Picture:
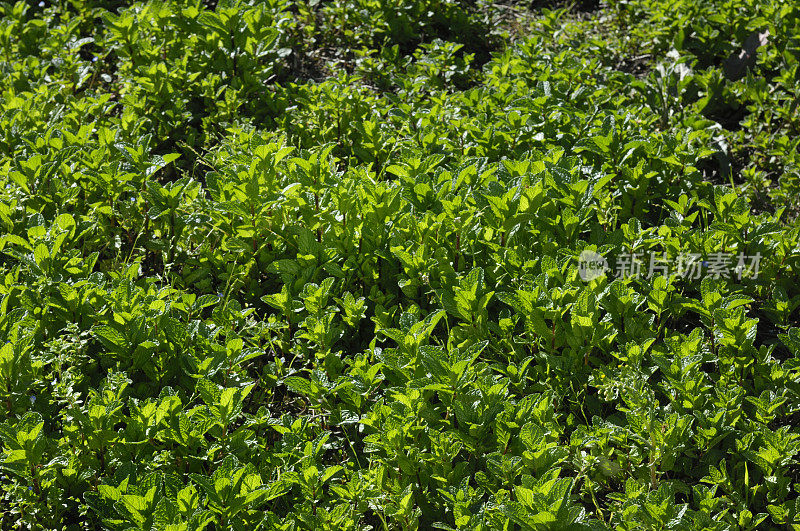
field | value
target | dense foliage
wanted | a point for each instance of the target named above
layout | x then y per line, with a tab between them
292	264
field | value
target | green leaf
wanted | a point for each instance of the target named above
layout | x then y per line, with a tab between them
301	386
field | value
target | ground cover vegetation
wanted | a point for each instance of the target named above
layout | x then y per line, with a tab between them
292	264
